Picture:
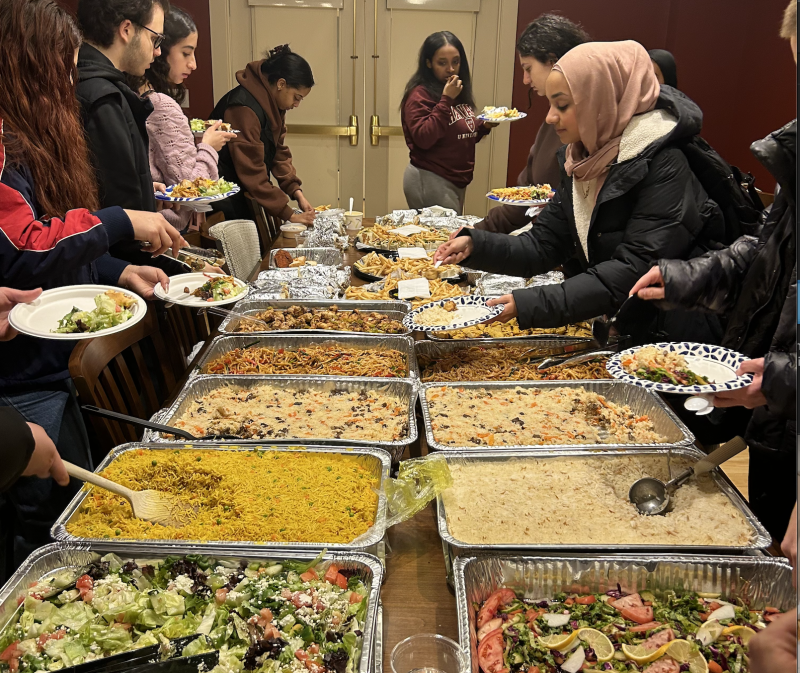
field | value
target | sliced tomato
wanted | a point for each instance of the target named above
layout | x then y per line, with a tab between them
309	575
341	581
714	667
585	600
266	614
713	605
488	627
641	628
313	649
640	615
769	609
632	601
490	652
493	603
221	596
301	600
771	617
355	597
331	573
10	652
534	669
84	582
301	655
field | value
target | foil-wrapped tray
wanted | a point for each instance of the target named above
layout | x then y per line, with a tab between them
396	310
496	285
224	344
52	558
376	461
549	278
322	256
454	547
305	282
543	347
761	581
405	389
641	401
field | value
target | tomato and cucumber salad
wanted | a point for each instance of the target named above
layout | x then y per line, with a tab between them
615	631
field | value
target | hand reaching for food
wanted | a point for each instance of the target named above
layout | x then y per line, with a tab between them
143	279
454	251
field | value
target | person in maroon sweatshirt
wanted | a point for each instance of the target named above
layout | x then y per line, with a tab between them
439	124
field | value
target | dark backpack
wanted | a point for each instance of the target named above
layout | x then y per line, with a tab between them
733	191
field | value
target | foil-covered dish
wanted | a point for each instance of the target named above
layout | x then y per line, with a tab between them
281	258
403	216
549	278
305	282
438	211
327	232
496	285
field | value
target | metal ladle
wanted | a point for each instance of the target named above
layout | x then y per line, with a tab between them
652	496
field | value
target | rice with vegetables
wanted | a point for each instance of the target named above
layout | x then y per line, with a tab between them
585	501
262	496
526	416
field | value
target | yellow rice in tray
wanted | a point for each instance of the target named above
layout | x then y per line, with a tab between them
261	496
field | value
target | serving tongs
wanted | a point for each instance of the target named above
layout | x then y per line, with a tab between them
150	425
574	359
652	496
534	355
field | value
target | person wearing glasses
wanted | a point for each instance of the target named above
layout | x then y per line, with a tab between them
121	37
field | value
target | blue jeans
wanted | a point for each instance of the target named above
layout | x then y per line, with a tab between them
36	503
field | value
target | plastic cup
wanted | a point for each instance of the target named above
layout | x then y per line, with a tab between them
428	653
353	219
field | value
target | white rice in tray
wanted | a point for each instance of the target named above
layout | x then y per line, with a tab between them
584	501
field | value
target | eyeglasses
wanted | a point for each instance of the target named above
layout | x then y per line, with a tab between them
160	37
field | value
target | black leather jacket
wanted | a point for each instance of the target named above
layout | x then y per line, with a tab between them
754	282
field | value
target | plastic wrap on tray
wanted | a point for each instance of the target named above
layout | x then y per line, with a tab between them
496	285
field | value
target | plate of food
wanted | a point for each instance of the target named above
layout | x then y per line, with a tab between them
200	126
684	368
199	190
532	195
500	114
78	312
452	313
202	289
374	267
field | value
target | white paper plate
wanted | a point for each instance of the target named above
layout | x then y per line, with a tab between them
194	199
522	115
714	363
177	285
41	316
468	301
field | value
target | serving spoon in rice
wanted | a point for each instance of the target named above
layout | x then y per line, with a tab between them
150	505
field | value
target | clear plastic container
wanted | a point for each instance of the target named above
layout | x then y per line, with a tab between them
428	653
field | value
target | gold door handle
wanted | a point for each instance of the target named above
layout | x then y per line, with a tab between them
350	131
376	130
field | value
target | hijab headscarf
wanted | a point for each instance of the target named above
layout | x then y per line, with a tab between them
666	63
611	82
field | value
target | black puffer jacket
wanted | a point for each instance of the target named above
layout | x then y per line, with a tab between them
650	206
114	119
754	282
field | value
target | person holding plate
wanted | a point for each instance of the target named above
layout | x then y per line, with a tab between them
627	195
53	235
173	153
257	108
754	283
440	126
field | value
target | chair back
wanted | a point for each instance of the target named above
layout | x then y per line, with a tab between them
183	328
129	372
240	245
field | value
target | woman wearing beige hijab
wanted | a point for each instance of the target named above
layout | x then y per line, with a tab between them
627	198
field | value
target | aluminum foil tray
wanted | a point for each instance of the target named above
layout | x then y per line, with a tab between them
397	310
439	349
453	547
760	580
224	344
322	256
376	461
405	389
641	401
60	556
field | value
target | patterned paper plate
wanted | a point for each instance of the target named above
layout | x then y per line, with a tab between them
714	363
194	199
474	309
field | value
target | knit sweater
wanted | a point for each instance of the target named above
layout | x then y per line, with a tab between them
173	153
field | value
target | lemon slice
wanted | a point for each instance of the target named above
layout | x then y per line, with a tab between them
641	655
558	641
680	650
743	632
709	632
697	663
603	649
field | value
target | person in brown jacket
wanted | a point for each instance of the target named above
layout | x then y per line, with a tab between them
542	43
257	109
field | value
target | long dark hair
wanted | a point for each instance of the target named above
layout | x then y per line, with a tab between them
178	25
424	75
283	63
42	127
547	38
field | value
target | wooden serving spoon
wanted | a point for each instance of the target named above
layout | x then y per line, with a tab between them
149	505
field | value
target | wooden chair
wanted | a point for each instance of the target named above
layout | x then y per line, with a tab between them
183	327
260	217
129	372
